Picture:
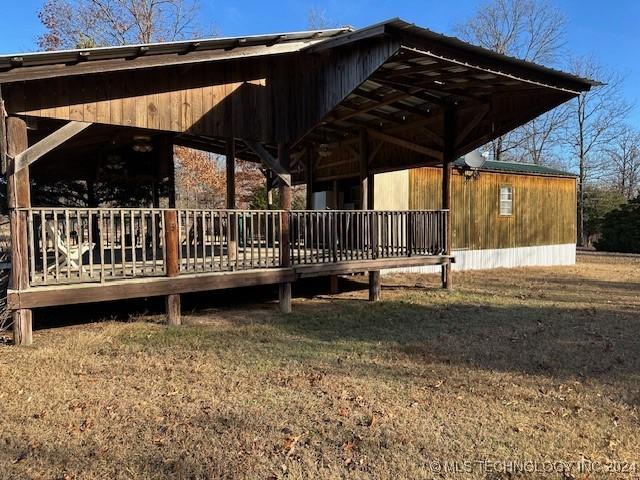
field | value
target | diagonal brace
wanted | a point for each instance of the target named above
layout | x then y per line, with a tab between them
269	161
47	144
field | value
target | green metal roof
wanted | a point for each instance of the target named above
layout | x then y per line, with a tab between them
517	167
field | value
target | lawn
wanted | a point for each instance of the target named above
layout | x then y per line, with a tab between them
538	364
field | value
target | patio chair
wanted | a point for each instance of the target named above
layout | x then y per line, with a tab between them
68	254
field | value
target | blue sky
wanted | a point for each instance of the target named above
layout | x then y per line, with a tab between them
609	31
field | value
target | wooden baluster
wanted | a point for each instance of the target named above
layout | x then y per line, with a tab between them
56	253
78	230
31	250
143	240
67	231
43	238
90	235
112	242
101	239
132	232
123	246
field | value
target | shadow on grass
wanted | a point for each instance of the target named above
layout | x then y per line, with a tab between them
551	339
545	340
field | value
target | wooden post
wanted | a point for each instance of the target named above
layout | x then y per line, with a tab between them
232	247
375	286
18	196
334	287
269	185
309	171
172	266
285	240
366	203
447	164
171	173
364	169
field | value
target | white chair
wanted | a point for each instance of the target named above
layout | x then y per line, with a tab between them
68	254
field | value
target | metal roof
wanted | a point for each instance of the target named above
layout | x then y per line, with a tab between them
34	59
400	25
254	45
517	167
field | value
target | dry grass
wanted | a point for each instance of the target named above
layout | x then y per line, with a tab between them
536	364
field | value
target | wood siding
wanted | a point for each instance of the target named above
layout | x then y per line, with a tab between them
276	98
544	208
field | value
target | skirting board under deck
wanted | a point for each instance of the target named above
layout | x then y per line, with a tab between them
543	255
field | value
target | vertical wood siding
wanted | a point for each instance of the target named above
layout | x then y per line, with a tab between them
277	98
544	208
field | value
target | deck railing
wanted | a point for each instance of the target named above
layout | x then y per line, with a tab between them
100	244
340	235
219	240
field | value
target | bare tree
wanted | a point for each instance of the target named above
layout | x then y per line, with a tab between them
594	125
95	23
538	141
531	30
624	155
317	19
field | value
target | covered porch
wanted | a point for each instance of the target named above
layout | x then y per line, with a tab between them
328	109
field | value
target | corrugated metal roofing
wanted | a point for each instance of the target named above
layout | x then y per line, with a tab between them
191	50
179	47
517	167
426	34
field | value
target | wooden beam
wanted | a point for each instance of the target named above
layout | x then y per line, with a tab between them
3	136
44	146
356	266
412	68
430	152
145	287
391	98
271	163
462	135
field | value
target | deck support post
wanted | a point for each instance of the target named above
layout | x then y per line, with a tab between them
367	203
172	263
231	199
447	164
18	196
375	286
285	239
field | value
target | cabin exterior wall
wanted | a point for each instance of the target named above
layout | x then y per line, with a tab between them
540	231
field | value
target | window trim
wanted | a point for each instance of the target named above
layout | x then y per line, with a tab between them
510	187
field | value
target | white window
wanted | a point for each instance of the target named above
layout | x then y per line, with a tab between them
506	200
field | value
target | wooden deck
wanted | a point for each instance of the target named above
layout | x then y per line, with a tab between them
92	255
53	295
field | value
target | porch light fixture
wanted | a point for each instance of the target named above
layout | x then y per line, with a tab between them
324	150
142	144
